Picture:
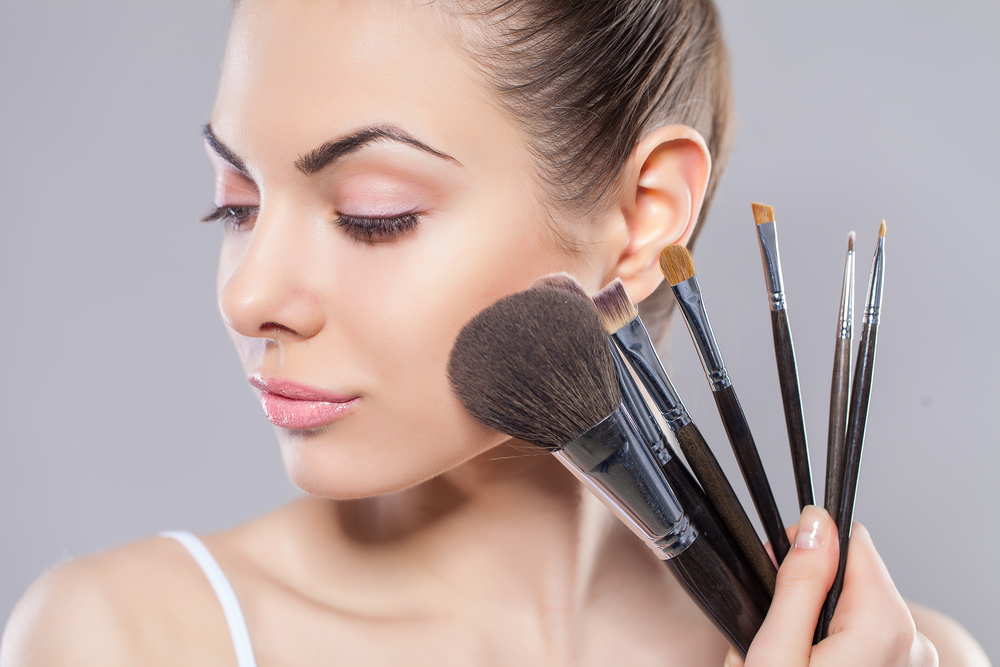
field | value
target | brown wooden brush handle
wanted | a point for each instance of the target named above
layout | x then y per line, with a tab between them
854	440
791	400
720	493
711	527
712	585
747	456
839	397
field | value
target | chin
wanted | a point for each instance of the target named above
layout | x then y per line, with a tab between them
328	467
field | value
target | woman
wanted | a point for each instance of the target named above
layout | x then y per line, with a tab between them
384	172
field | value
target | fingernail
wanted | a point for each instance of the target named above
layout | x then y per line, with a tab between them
812	528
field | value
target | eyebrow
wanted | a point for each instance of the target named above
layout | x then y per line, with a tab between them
319	158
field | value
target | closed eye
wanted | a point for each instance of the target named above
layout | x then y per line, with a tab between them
372	230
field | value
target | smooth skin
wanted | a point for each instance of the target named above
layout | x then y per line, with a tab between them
425	538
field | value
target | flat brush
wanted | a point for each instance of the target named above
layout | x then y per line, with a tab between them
621	320
840	386
857	419
678	268
784	353
537	366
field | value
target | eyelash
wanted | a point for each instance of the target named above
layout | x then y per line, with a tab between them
365	230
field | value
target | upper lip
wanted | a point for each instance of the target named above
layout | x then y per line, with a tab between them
296	390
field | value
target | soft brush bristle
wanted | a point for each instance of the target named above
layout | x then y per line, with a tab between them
850	241
614	306
676	264
536	365
762	213
881	230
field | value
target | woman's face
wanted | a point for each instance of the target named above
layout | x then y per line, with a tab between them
375	197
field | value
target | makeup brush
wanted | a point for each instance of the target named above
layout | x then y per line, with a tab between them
784	353
621	320
537	366
840	386
678	268
704	514
857	419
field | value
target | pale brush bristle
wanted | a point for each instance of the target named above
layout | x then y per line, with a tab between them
881	230
676	264
850	241
762	213
615	306
562	281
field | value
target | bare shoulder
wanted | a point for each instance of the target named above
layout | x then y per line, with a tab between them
142	603
955	646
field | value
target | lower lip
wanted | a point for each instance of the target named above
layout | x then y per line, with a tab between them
299	414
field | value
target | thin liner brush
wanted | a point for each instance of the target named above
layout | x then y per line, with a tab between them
537	366
678	268
856	421
784	353
840	386
621	320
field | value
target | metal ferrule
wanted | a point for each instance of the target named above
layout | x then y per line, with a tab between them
846	325
638	409
767	236
634	343
688	295
611	460
874	304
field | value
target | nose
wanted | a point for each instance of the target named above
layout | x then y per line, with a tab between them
268	293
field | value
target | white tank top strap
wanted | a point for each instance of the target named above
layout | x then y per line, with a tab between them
224	591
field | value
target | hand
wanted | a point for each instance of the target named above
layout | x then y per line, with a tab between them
871	627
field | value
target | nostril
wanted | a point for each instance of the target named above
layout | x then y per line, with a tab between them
275	327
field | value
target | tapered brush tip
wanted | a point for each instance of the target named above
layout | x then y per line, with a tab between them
536	365
615	306
762	213
676	264
881	230
561	281
850	241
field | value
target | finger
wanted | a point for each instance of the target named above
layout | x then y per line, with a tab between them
733	659
785	638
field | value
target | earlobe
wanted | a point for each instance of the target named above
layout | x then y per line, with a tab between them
661	202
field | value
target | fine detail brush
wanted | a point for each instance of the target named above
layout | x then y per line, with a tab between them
857	419
621	320
537	366
840	386
784	353
678	268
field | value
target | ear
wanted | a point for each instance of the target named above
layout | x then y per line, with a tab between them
659	205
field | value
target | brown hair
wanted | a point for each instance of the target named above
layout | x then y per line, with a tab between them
587	79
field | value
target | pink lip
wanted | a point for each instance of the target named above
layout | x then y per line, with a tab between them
297	406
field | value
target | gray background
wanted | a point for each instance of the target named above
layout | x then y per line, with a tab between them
123	410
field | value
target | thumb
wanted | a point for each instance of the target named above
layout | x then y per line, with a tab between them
805	576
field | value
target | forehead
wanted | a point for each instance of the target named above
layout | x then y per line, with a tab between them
298	72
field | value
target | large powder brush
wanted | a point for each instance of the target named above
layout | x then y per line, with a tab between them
537	366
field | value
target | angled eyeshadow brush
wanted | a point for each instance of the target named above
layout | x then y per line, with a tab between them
678	268
537	366
784	353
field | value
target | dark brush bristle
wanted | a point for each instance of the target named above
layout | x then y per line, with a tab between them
561	280
615	306
536	365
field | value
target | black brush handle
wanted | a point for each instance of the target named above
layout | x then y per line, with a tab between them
723	498
712	585
712	528
791	400
839	396
853	445
748	457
